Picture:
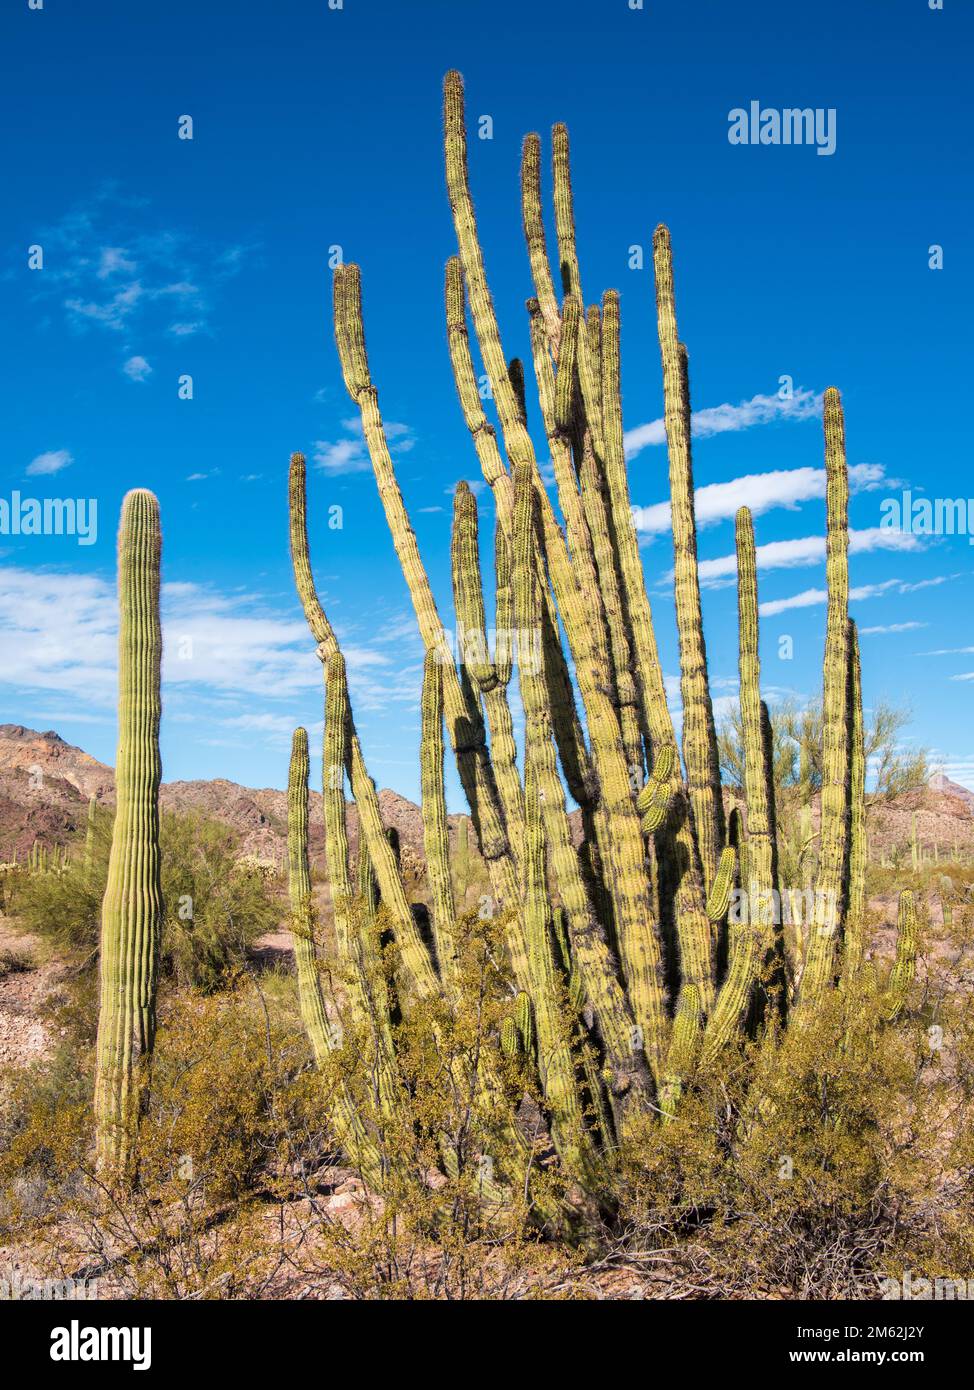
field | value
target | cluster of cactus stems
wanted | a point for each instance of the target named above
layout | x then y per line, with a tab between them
629	967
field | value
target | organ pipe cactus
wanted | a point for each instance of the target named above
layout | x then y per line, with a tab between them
622	1000
131	920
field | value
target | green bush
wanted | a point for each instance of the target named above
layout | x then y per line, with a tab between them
215	905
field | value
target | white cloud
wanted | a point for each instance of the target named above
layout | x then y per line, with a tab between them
112	260
350	455
722	419
808	598
111	313
807	550
890	627
137	368
51	462
222	653
783	487
185	330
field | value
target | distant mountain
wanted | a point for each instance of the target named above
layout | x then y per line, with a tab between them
940	782
45	785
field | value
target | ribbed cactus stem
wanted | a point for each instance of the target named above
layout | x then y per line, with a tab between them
720	890
321	1034
904	967
914	844
324	1036
751	935
858	849
699	734
830	888
757	773
89	859
556	1065
572	283
681	1054
463	718
534	236
655	796
490	675
435	835
679	846
131	921
590	950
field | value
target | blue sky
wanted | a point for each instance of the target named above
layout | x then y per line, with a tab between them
314	128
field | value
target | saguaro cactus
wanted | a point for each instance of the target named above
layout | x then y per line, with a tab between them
132	906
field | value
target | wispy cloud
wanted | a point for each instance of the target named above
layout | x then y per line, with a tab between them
809	598
784	487
807	550
891	627
223	654
723	419
51	462
350	455
109	273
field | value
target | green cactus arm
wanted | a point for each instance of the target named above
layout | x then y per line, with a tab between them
699	734
720	889
89	859
534	236
131	920
830	887
678	850
757	773
468	595
515	371
904	967
464	721
858	849
556	1066
324	1036
681	1054
571	739
568	259
491	676
590	950
597	520
435	837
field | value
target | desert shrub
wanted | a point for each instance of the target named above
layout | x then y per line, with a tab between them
233	1109
814	1169
216	905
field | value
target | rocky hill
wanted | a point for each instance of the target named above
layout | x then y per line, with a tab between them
45	786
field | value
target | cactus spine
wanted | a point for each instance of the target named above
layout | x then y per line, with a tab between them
132	907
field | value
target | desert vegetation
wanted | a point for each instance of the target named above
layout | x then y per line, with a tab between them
659	1040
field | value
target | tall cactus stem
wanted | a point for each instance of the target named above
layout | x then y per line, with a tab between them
131	921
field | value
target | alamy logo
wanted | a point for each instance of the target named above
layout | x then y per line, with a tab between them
928	516
926	1290
50	516
792	125
77	1343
